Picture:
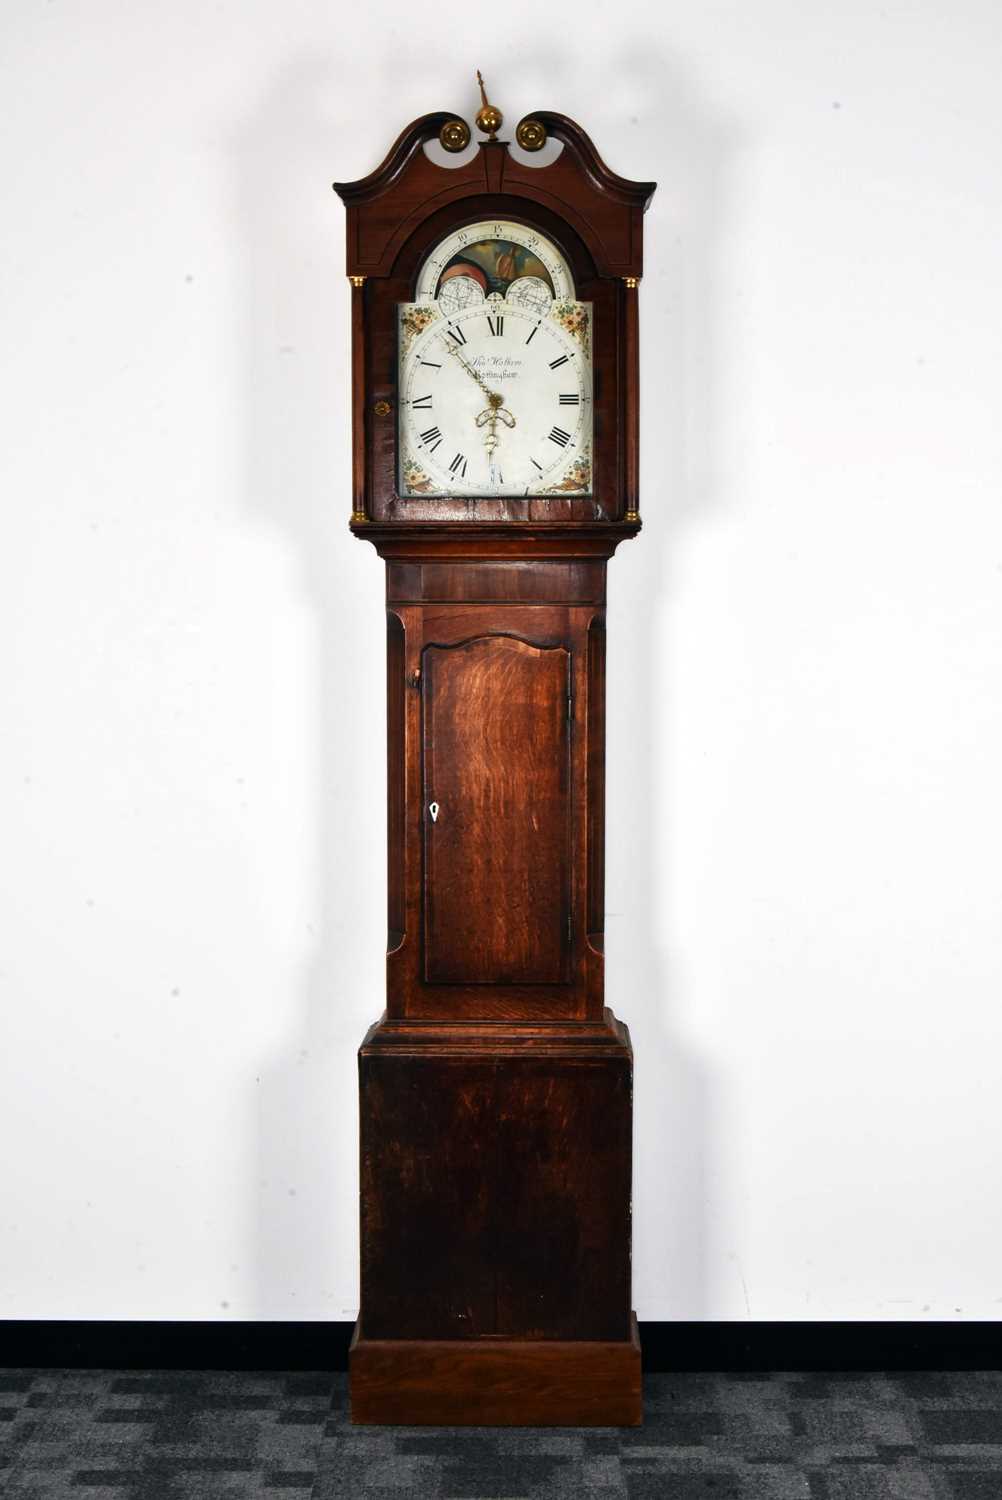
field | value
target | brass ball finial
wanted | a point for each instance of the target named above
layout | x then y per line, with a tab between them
454	135
489	118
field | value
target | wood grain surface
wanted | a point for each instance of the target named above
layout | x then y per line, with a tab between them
502	708
495	718
507	1382
495	1188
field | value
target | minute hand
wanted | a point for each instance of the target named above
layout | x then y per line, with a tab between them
492	396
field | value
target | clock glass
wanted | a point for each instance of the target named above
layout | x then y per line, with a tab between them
495	372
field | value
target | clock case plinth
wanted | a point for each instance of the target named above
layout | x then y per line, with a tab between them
496	1090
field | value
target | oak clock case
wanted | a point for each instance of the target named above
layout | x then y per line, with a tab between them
494	422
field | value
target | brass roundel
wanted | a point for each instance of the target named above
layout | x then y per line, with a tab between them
454	135
382	408
531	135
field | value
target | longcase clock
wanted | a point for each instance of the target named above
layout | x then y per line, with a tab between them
495	441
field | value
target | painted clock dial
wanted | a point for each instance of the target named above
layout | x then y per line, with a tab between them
495	399
495	378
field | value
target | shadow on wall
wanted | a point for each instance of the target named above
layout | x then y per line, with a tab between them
297	436
303	1101
684	147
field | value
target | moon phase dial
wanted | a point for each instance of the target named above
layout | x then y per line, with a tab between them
498	254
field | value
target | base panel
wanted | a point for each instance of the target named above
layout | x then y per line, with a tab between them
496	1382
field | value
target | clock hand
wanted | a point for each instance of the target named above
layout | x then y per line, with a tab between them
490	418
492	396
494	413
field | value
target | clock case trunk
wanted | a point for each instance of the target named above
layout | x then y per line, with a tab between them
496	1089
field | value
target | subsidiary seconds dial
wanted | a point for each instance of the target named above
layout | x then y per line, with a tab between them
495	399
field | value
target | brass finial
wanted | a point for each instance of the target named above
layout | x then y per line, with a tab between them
489	118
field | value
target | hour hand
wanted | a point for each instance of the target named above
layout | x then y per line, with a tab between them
495	413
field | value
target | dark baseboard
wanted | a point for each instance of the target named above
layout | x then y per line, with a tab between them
742	1347
738	1347
175	1346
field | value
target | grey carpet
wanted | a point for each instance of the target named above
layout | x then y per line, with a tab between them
170	1436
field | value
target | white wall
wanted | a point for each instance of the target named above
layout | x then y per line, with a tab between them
805	850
